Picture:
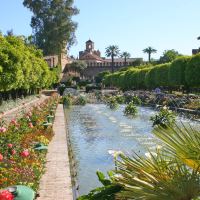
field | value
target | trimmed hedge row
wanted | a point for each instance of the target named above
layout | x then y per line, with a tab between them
183	72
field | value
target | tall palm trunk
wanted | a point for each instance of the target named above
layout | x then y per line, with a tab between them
125	61
112	63
149	57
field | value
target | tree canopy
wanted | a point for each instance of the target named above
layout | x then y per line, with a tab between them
149	51
52	24
112	51
22	66
169	56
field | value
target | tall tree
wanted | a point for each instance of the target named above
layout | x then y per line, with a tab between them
169	56
52	24
149	51
112	51
78	66
125	55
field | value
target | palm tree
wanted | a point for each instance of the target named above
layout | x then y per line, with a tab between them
125	55
149	51
112	51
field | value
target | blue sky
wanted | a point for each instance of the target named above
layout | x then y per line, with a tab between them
130	24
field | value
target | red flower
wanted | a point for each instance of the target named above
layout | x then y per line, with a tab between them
30	125
10	145
6	195
1	157
25	153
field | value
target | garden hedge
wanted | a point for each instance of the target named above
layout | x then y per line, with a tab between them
182	72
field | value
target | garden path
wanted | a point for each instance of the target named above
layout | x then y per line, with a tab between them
56	182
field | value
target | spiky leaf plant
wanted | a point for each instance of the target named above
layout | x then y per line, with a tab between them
183	142
158	177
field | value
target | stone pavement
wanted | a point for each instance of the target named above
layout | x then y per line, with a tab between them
56	182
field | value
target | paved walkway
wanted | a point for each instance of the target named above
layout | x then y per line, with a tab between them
56	182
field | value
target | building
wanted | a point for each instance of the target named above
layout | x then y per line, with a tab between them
53	60
195	51
93	58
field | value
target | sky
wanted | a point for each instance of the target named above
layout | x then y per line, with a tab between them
131	24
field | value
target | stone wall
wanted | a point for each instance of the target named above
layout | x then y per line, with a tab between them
91	72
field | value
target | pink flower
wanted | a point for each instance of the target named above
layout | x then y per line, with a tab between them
14	122
25	153
6	195
3	129
10	145
13	152
30	125
1	157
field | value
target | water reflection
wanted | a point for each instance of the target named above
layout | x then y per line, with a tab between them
95	129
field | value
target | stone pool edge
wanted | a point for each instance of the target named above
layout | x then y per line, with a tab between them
56	183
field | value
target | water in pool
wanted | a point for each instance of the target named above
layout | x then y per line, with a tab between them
95	129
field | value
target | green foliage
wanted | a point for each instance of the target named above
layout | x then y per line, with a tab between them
183	71
136	100
78	66
100	76
112	51
161	76
22	66
120	99
192	72
149	51
67	101
107	192
164	118
131	109
169	56
52	24
156	177
177	71
125	55
112	103
80	100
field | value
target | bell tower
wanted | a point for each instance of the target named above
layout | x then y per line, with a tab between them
89	46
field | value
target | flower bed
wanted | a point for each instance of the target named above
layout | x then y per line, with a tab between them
21	163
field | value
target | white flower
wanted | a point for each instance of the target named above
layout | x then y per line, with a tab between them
114	153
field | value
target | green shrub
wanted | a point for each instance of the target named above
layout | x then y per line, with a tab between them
161	77
164	118
130	109
81	100
192	72
67	101
177	71
112	103
120	99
